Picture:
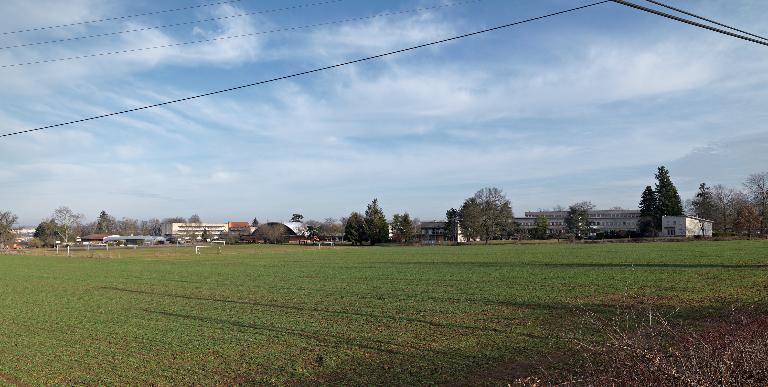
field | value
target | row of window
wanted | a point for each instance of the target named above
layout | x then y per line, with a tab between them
609	223
591	223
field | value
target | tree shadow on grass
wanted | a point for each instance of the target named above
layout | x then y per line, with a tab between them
325	339
308	309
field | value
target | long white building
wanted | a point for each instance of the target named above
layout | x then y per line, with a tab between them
601	221
193	230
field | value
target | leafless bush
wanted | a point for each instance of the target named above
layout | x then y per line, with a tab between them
645	348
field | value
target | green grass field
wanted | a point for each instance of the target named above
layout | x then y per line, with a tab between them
380	315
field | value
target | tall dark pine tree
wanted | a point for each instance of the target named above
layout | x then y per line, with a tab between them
667	199
703	204
104	223
452	225
648	204
376	225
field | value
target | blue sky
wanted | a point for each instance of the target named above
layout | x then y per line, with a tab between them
582	106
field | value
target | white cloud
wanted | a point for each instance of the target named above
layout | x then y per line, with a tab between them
45	78
596	106
128	151
377	35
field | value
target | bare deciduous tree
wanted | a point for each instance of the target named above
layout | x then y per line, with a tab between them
68	221
271	232
7	220
747	219
757	189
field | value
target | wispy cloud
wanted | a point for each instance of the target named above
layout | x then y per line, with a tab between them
586	118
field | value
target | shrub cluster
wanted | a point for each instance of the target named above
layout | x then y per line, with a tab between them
727	351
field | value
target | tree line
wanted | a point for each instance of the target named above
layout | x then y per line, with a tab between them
734	212
65	225
487	215
740	212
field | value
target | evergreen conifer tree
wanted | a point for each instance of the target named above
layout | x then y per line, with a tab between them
376	226
648	204
452	225
354	229
703	204
667	199
105	223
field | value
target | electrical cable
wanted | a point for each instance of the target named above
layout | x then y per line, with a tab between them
119	17
433	43
173	25
107	53
689	22
703	18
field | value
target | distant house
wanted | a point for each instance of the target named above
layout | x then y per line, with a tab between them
239	227
685	226
24	235
434	233
93	238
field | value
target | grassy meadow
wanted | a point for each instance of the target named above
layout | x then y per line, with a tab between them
370	315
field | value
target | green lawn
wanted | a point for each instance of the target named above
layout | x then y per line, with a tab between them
302	315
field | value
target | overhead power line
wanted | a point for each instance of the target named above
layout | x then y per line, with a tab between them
705	19
500	27
107	53
119	17
690	22
173	24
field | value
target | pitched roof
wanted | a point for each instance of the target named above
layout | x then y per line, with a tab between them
94	237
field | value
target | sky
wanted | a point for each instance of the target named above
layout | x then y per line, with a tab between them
581	106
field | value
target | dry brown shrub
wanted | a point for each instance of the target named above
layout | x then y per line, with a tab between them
730	351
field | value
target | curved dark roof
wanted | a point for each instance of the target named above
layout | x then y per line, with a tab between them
286	230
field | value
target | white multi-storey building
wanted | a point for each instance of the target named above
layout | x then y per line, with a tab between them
601	221
194	230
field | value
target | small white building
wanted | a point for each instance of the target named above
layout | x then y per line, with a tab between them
685	226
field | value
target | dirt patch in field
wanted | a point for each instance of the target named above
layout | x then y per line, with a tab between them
5	378
510	370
